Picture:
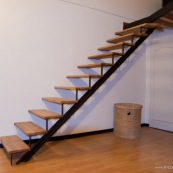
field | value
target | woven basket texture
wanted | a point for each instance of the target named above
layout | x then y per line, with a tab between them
127	120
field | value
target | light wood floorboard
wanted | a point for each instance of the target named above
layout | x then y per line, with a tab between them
103	153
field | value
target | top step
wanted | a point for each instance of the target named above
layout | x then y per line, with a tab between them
167	20
169	16
13	144
137	29
168	24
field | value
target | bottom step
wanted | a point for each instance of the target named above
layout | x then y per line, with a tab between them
13	145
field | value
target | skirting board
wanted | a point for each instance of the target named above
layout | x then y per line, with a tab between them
77	135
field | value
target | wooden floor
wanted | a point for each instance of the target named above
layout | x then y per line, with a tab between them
103	153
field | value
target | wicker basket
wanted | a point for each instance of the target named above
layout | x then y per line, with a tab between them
127	120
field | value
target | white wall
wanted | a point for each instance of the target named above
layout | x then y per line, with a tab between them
42	41
133	9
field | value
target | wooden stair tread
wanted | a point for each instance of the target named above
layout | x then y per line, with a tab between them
106	55
30	129
85	76
116	46
45	114
95	65
125	37
59	100
136	29
165	24
167	19
13	144
169	16
72	88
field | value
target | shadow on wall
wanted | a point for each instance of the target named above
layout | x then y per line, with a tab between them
85	110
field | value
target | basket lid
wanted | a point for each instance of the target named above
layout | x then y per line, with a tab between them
128	106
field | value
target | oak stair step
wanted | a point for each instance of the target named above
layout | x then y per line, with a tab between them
85	76
45	114
95	65
169	16
88	76
13	145
165	23
128	37
59	100
30	129
116	46
137	29
106	55
72	88
167	19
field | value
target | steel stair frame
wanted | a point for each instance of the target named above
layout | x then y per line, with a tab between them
150	19
82	100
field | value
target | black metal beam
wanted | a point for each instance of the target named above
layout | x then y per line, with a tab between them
81	101
165	2
158	14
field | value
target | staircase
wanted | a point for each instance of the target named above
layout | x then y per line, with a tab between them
126	43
